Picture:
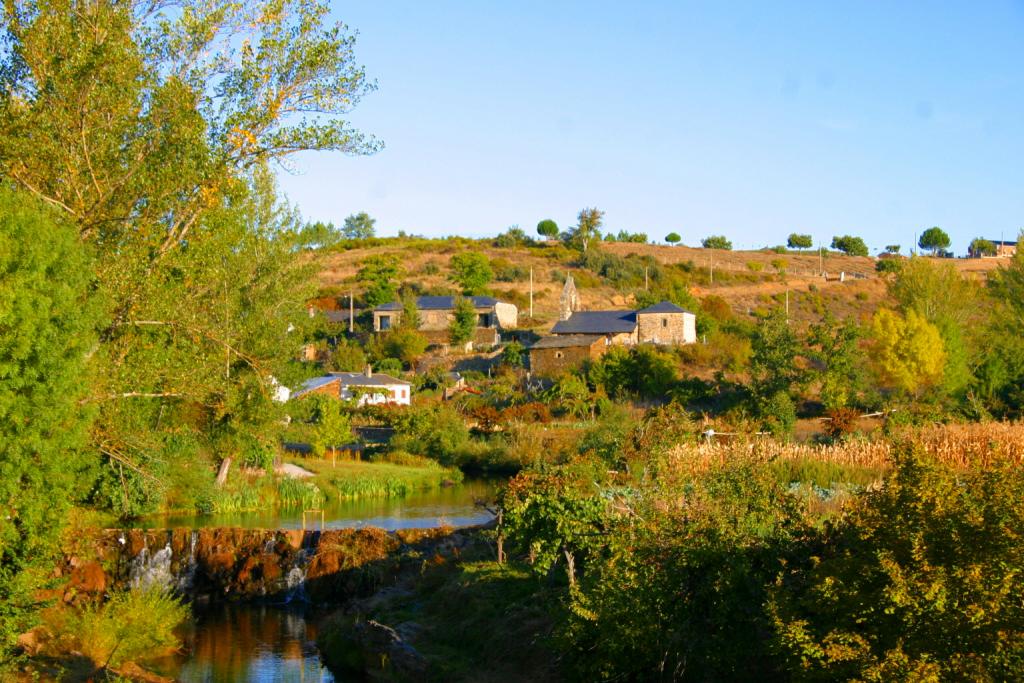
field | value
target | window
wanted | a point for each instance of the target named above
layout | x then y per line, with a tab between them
384	322
558	354
483	320
664	322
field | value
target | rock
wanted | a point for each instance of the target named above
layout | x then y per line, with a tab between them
31	642
136	673
384	650
88	577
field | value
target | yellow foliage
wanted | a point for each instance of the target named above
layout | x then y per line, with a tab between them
909	352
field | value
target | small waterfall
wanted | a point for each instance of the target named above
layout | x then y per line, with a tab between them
295	580
151	569
187	572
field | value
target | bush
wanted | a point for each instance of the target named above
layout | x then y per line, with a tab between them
716	242
920	581
132	625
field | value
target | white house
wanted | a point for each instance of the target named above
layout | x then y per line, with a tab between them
367	388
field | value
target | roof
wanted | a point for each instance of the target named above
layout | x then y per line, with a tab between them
565	341
439	303
1003	243
597	322
348	379
663	307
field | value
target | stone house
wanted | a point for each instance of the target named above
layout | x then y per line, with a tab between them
662	323
371	388
437	312
551	356
1005	248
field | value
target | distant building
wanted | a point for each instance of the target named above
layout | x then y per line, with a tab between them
662	323
587	335
1004	248
371	388
552	356
437	312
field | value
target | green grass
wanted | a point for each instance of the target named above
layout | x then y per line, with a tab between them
823	474
358	479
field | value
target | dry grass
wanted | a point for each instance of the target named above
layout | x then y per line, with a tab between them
961	445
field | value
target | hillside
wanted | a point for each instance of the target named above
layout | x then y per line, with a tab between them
748	281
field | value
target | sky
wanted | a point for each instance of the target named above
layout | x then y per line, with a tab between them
752	120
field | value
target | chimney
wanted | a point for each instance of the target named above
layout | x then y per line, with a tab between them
368	371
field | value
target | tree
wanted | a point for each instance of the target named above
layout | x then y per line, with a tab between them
836	348
547	229
981	247
908	351
333	428
463	323
892	249
673	238
405	344
799	241
410	319
359	226
46	332
934	239
347	356
716	242
151	127
513	355
587	229
512	237
471	270
378	274
318	235
850	245
774	373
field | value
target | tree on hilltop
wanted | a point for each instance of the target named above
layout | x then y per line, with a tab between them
547	229
673	238
934	239
850	245
799	241
716	242
359	226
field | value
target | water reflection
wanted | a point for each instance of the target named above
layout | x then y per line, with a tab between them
259	643
451	506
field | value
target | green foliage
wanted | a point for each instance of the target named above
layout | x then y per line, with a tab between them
570	395
843	375
379	274
463	323
999	375
981	247
333	427
506	271
435	431
626	236
471	270
673	238
358	226
547	228
513	355
716	242
934	239
888	265
317	235
46	331
514	236
799	241
133	625
641	371
407	345
298	493
892	248
347	356
850	245
918	582
587	229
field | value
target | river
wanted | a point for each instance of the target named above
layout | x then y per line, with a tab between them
446	506
225	643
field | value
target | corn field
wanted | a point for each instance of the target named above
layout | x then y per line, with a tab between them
961	445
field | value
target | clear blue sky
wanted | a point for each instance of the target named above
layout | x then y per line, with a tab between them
752	120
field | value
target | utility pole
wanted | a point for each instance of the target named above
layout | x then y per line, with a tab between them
531	292
351	313
646	282
787	304
711	261
821	260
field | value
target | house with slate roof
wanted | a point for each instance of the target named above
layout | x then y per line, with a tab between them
367	387
586	335
437	312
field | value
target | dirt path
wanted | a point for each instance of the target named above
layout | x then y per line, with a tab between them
293	471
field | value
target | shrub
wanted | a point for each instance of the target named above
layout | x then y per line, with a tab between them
716	242
755	266
132	625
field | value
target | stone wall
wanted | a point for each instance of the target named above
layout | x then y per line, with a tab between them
557	361
666	328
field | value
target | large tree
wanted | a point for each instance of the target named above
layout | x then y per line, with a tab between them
471	270
150	127
934	239
47	324
850	245
587	228
359	226
799	241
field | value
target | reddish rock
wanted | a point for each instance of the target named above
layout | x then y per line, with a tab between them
88	577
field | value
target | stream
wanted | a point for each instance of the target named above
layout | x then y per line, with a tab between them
231	642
